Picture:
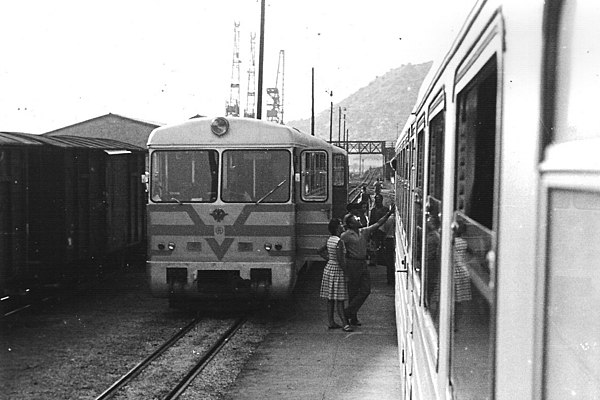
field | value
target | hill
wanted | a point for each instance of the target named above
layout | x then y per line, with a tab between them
377	111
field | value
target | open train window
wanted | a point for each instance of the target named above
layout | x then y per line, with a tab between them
184	176
472	266
433	216
314	176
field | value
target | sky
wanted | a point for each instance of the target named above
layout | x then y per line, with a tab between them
66	61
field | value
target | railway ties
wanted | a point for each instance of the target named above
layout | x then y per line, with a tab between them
212	346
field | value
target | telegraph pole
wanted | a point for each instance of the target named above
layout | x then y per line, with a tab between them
331	116
261	50
340	124
312	112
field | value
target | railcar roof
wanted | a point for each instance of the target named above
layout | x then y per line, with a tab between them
241	131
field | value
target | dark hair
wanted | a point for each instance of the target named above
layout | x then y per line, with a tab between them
333	225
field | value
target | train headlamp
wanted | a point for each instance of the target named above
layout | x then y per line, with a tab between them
219	126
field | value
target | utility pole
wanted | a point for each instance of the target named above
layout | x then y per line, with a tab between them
312	112
250	96
233	107
339	124
260	60
331	116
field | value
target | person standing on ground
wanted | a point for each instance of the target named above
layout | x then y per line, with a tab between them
389	247
365	197
333	284
377	237
378	186
355	239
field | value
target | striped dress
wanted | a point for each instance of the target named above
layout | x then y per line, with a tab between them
461	276
462	279
333	285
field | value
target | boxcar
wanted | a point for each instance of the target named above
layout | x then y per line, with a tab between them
68	206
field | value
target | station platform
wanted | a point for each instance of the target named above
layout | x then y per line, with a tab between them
302	359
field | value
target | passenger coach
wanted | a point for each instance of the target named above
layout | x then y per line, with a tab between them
498	198
237	206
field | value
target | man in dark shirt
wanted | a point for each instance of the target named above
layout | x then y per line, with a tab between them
356	239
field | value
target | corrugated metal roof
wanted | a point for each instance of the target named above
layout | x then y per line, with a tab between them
22	139
93	143
16	139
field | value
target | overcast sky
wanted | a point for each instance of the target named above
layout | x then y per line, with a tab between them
63	62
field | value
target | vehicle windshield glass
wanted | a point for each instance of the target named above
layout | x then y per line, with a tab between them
184	176
250	176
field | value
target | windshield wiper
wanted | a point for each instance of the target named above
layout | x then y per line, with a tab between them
271	191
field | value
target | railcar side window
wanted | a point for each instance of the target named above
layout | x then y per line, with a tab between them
314	176
339	170
577	79
184	176
256	176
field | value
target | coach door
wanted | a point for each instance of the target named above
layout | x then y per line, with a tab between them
313	206
569	283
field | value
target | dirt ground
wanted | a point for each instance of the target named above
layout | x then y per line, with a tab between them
77	347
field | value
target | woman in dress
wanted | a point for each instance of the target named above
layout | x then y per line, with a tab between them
333	285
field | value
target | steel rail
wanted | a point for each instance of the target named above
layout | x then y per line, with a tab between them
205	360
135	371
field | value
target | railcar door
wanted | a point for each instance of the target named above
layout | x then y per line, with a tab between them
313	203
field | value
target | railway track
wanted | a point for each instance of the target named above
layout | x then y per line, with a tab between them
182	383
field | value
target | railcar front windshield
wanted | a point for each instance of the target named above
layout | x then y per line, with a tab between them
251	176
184	176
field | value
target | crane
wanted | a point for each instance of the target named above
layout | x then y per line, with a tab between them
233	107
275	114
250	97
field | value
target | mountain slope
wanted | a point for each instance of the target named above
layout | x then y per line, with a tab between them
377	111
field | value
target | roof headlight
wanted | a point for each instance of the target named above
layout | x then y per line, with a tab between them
219	126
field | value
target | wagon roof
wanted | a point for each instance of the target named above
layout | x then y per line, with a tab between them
20	139
15	139
92	143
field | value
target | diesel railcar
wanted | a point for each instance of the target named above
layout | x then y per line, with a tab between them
237	206
68	205
498	199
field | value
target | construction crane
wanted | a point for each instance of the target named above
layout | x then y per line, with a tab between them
233	107
250	97
275	114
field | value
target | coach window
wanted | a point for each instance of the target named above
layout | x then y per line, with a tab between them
184	176
473	235
433	216
314	176
418	201
256	176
